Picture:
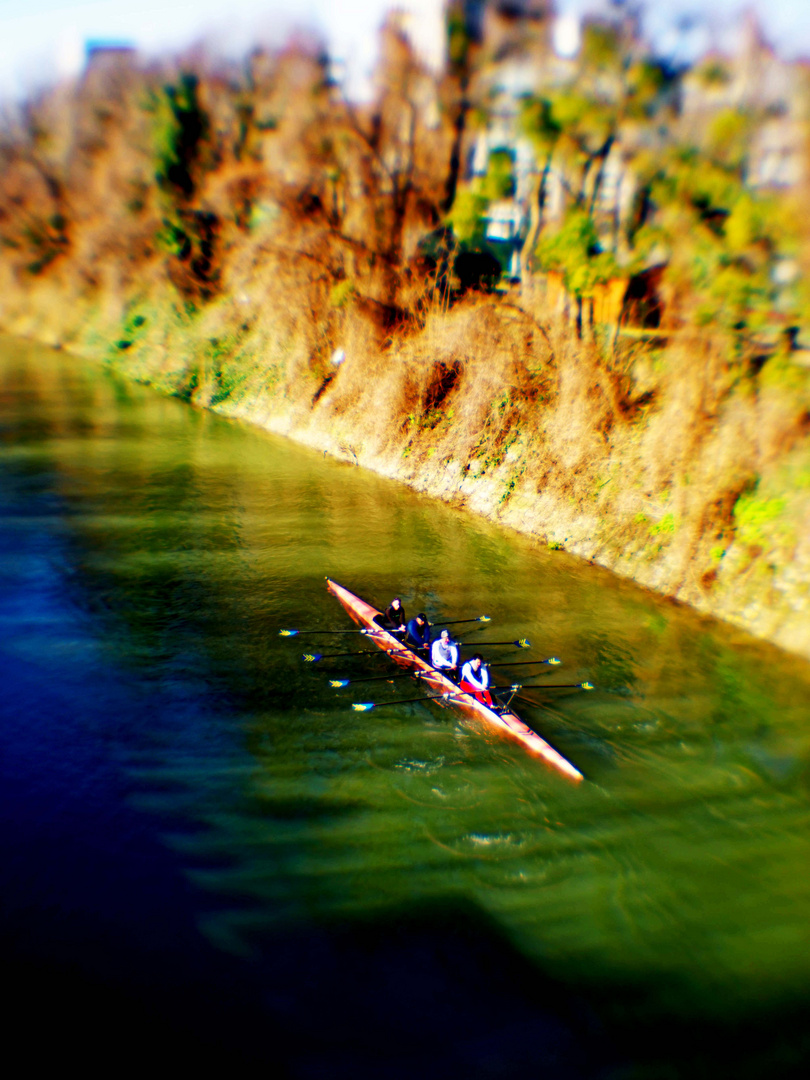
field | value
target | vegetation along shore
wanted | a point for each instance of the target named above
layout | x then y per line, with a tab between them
569	293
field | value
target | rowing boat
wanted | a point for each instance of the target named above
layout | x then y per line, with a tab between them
506	722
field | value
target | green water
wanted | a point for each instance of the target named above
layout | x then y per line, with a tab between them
159	550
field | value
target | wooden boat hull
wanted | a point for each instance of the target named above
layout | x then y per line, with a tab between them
507	723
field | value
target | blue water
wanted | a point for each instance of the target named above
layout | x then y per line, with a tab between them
208	860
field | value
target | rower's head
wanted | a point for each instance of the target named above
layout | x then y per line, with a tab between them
421	618
396	603
445	636
476	660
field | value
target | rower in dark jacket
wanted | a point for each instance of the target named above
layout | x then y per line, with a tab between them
418	636
395	614
394	619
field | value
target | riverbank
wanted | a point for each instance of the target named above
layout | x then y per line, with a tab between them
672	467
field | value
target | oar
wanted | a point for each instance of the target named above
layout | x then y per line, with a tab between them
338	683
552	660
364	706
297	633
522	643
455	622
551	686
313	658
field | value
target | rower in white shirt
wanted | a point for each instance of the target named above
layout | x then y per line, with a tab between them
475	680
444	654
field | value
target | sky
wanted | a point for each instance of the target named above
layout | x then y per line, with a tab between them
43	40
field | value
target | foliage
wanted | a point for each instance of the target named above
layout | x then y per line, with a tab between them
748	224
499	432
601	45
729	137
342	293
752	515
431	418
466	218
459	40
479	263
664	527
47	238
586	122
714	73
538	123
138	316
722	240
181	129
173	239
692	210
227	380
499	181
575	251
645	81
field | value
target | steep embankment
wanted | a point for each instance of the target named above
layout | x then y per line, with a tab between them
238	279
676	470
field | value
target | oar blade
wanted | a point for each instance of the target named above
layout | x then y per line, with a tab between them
550	660
458	622
521	643
552	686
364	706
287	633
389	677
313	658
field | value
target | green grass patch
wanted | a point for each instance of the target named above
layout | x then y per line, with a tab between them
342	293
664	527
754	517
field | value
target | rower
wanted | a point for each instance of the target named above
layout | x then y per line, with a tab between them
394	620
475	679
418	632
444	654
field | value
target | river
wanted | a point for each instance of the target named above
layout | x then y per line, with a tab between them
208	858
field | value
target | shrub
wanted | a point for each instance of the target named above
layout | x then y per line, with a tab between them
180	130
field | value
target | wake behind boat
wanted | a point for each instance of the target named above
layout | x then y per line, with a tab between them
445	692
